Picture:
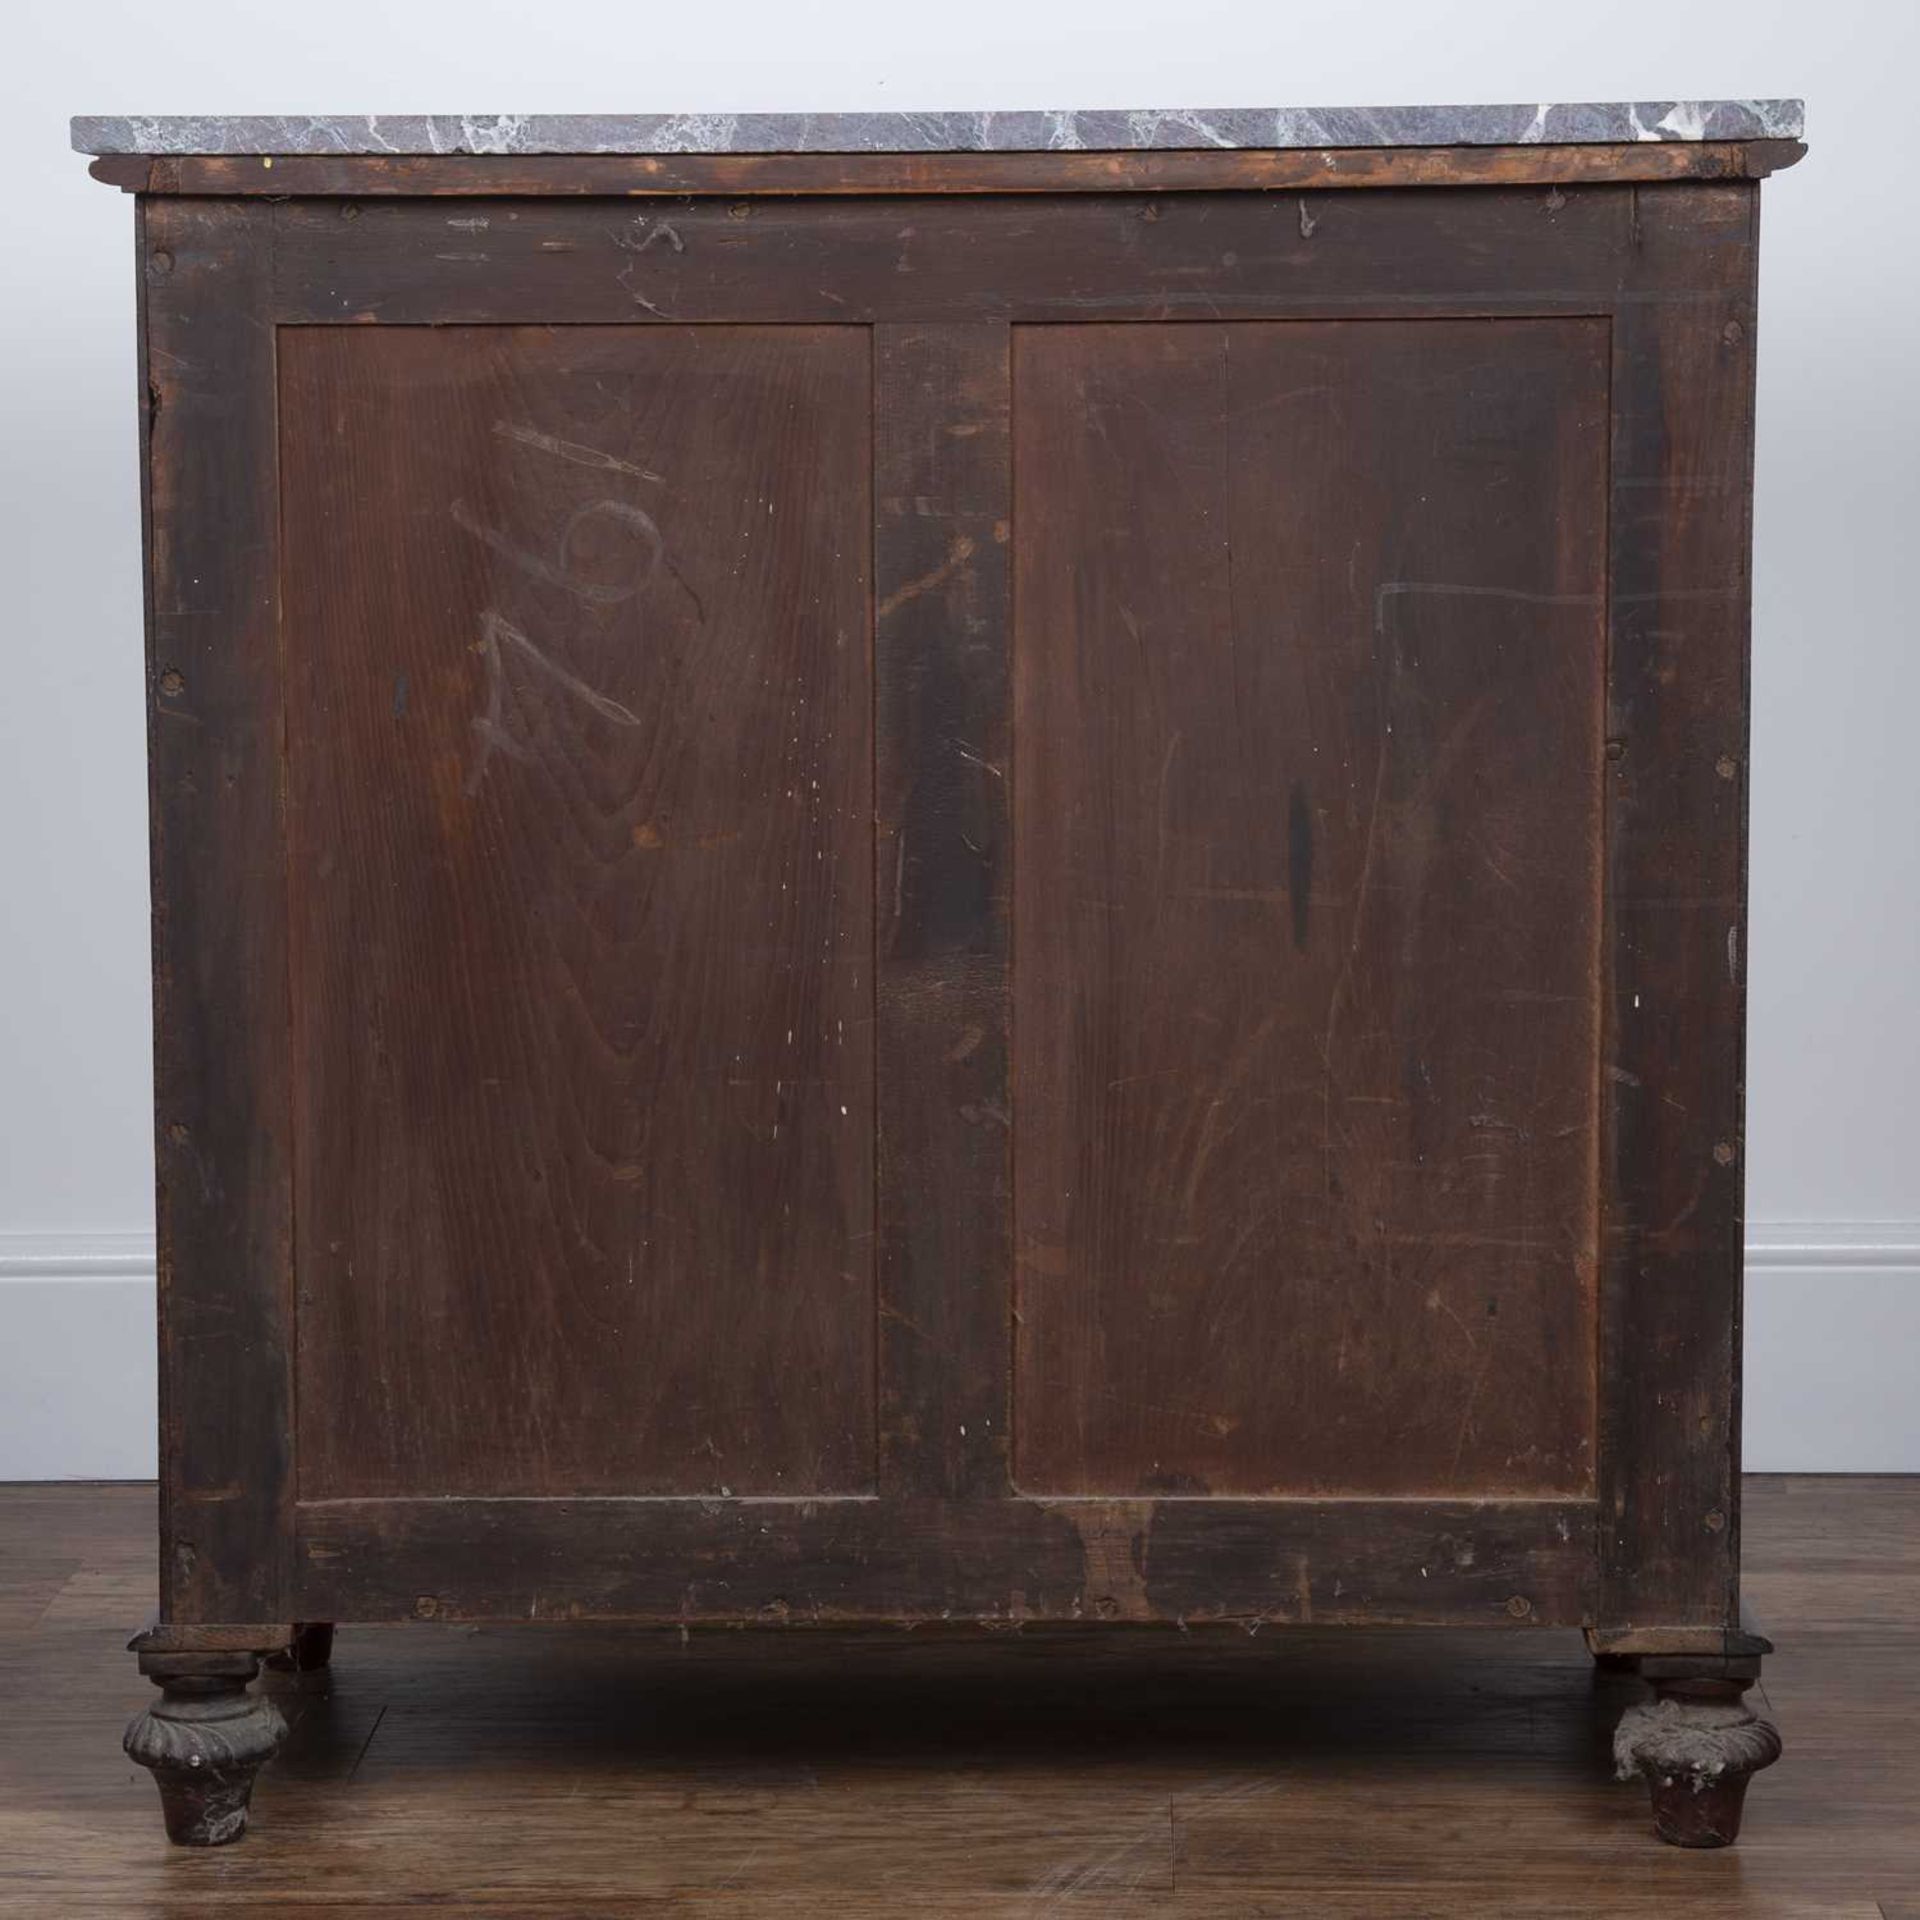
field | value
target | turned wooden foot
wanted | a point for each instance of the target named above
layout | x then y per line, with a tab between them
1696	1743
204	1740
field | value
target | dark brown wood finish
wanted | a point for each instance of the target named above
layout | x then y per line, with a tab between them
940	435
729	757
988	1562
852	173
942	506
1308	748
222	1072
1049	257
579	748
1675	1006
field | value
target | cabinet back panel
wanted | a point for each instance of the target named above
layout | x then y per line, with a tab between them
1309	669
580	777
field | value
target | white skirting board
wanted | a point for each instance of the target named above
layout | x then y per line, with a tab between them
78	1399
1833	1325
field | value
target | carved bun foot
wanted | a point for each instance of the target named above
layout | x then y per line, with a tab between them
1696	1745
204	1740
1697	1813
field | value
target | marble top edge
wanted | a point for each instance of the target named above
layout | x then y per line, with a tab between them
1024	131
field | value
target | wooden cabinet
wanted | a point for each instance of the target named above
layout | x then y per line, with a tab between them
973	885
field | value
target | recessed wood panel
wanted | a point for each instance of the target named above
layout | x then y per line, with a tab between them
580	767
1308	737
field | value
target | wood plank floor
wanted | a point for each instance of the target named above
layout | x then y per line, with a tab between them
581	1771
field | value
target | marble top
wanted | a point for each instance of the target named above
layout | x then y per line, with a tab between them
1025	131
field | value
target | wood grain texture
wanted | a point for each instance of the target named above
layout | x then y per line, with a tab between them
1673	1134
222	1053
907	1560
579	732
1047	257
942	489
1307	732
643	1106
844	173
592	1771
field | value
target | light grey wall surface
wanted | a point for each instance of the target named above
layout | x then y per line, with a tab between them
1834	1197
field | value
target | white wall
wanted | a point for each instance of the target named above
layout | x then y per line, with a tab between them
1834	1312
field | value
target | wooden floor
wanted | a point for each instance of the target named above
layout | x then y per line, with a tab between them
550	1771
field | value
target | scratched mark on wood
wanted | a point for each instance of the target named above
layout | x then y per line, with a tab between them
1308	725
582	926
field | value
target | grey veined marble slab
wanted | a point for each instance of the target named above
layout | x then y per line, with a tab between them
1104	129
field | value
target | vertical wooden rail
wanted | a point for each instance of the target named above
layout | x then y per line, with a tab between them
219	929
1676	912
942	501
